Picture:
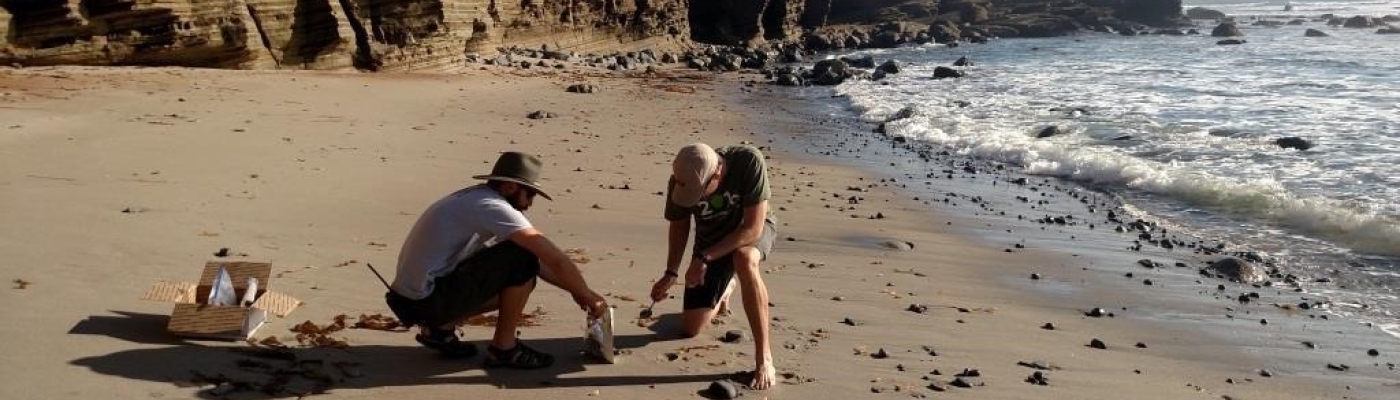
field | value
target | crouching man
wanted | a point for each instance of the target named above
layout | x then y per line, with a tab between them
474	252
726	193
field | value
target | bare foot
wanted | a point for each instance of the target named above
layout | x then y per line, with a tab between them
763	377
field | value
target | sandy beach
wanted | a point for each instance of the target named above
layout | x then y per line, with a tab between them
113	179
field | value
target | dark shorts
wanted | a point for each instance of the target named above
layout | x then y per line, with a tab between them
473	283
720	271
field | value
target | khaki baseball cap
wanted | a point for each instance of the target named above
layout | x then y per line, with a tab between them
694	165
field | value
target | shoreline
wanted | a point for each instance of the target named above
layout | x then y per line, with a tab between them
329	171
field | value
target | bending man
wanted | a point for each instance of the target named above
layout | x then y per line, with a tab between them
725	193
474	252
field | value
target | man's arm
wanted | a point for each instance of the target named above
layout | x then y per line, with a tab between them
676	238
747	234
556	267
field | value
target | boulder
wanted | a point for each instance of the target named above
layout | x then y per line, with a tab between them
945	72
962	62
945	32
1238	270
1227	29
1390	30
865	61
1228	42
1315	33
1293	142
789	80
890	67
1050	131
1204	13
1391	18
830	73
1359	21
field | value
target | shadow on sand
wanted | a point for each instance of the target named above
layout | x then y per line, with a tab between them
236	371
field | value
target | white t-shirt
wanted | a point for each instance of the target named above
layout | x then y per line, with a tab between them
448	232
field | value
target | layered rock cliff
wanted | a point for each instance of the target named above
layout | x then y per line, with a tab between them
323	34
439	34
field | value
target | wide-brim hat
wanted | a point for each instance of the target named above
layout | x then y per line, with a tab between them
520	168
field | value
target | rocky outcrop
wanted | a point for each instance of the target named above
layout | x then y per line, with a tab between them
323	34
441	34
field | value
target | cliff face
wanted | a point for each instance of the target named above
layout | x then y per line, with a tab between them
323	34
438	34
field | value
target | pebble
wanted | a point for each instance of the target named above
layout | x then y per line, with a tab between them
849	321
1048	326
1266	373
880	354
1038	378
965	382
1373	353
936	387
918	308
733	336
1096	312
1141	345
1098	344
1035	277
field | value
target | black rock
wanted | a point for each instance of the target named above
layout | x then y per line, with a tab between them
962	62
1266	373
223	252
722	390
1049	131
1204	13
1038	378
865	61
1238	270
965	382
969	373
945	72
1338	367
880	354
1315	33
1048	326
1035	277
541	114
1096	312
1293	142
1373	353
890	67
1227	29
1098	344
1228	42
918	308
582	88
1141	345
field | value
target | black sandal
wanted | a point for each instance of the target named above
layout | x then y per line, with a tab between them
520	357
447	343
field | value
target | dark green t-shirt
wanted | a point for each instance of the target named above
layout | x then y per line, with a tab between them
745	183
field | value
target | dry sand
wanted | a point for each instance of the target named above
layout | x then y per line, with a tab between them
112	179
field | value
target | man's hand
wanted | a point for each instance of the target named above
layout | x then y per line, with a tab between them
591	302
658	291
695	275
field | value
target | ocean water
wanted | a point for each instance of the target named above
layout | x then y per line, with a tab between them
1183	131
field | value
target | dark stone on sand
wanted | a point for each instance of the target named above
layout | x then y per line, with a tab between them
898	245
1238	270
1039	365
1145	263
918	308
1035	277
540	114
1048	326
721	390
1229	42
1141	345
936	387
1147	282
969	373
1038	378
848	321
223	252
966	382
1373	353
733	336
1338	367
1050	131
1227	29
582	88
1315	33
945	72
880	354
1096	312
1098	344
1293	142
1266	373
789	80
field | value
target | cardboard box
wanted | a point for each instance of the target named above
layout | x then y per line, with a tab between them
194	317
